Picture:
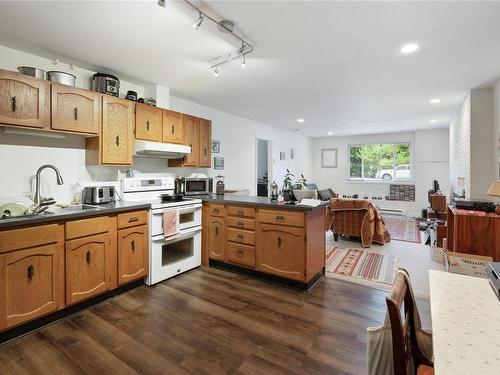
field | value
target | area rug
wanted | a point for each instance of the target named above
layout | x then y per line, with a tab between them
402	228
361	265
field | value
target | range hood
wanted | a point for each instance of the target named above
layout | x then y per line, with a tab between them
147	149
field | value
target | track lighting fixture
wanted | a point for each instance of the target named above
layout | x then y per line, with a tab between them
198	22
162	3
243	61
242	48
216	70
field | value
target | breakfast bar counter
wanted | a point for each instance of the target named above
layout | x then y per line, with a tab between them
282	243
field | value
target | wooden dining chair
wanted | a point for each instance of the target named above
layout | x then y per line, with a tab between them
405	347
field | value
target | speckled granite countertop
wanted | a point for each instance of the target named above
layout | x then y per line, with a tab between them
257	201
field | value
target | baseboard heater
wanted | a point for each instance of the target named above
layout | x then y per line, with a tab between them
392	211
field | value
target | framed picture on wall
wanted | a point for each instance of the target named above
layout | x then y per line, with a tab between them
329	158
216	147
292	153
218	163
282	155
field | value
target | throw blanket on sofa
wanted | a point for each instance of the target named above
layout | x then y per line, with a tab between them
357	217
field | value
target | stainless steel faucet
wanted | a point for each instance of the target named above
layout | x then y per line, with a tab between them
37	199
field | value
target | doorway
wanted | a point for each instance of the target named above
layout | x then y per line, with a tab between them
264	166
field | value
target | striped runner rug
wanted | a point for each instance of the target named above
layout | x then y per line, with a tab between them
362	265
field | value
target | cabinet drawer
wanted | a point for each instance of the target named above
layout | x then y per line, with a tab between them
217	210
295	219
241	236
131	219
86	227
22	238
235	222
240	254
241	211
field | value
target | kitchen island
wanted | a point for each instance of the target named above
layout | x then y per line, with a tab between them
279	242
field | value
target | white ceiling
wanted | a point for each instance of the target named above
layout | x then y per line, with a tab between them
336	64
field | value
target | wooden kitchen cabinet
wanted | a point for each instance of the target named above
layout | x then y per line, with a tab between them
114	145
205	159
148	123
86	271
280	251
192	139
31	273
132	254
216	238
24	101
74	110
173	127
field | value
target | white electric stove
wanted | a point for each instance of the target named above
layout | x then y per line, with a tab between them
176	253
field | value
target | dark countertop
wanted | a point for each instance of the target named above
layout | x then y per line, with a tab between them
57	214
257	201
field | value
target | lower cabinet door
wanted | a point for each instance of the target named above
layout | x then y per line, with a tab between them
280	251
86	271
31	284
132	254
216	238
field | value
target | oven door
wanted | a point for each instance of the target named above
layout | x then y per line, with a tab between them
174	255
189	216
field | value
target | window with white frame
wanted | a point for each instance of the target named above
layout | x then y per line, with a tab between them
383	162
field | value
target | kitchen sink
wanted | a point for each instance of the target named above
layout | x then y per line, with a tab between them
78	207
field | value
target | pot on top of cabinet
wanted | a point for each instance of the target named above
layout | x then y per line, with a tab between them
106	84
62	78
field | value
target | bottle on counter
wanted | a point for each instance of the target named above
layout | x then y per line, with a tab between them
274	191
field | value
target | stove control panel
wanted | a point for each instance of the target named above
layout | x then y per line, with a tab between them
147	183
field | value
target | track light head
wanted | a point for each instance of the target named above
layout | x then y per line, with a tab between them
162	3
242	48
243	61
198	22
216	71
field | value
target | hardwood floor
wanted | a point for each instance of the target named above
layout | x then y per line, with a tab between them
209	321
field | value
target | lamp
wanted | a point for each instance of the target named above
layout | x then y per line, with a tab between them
494	191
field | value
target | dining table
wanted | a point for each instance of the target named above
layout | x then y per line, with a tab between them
465	314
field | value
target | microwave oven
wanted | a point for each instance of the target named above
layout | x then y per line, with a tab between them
198	186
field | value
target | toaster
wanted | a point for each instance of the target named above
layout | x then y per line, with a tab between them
98	194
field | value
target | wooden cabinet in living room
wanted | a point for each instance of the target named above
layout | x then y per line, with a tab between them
216	238
148	123
173	127
74	110
24	101
132	254
114	145
205	159
31	273
280	251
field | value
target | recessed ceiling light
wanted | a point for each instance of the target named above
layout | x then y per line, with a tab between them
435	101
301	120
409	48
433	121
330	133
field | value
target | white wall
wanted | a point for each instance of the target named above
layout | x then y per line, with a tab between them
429	155
21	155
497	122
237	138
460	128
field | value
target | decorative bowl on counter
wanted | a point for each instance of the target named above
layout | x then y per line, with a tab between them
301	194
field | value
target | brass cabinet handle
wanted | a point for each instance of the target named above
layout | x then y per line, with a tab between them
133	219
75	113
132	245
30	271
215	210
240	223
88	257
173	129
240	236
13	104
240	253
147	125
279	241
117	140
216	231
205	151
279	217
240	212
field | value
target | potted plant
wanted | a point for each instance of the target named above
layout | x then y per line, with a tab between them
301	183
287	186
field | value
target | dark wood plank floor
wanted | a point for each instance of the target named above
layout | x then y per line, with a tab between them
209	321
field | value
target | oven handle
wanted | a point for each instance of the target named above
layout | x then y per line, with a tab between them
177	237
188	209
